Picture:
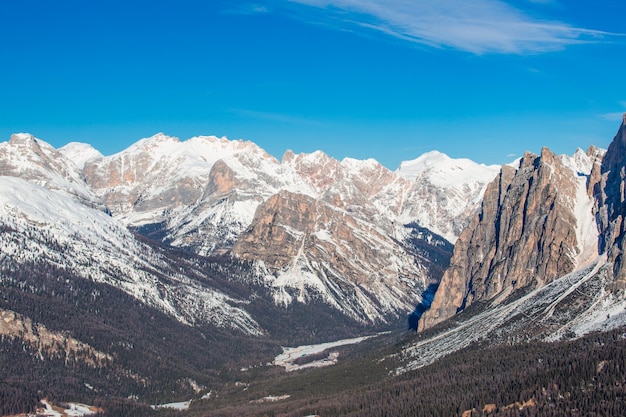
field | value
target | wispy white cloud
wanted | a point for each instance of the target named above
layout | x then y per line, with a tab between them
248	8
477	26
615	116
544	1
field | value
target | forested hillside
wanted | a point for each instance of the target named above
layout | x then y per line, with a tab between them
584	377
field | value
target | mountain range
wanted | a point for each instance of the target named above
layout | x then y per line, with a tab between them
109	263
312	227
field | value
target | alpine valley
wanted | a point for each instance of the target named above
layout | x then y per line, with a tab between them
178	270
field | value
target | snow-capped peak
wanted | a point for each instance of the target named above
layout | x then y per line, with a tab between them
79	153
27	140
413	168
21	137
159	143
352	163
580	162
446	170
451	188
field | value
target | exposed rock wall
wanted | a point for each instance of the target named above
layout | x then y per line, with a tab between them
609	189
127	181
524	233
291	223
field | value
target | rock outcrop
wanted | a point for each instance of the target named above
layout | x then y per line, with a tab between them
127	181
609	188
49	343
528	231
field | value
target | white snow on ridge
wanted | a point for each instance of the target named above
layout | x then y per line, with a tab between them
163	165
196	155
579	163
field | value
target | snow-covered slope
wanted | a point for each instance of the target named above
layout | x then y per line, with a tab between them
581	164
44	226
571	306
445	171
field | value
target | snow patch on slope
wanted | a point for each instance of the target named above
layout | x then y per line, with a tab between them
586	226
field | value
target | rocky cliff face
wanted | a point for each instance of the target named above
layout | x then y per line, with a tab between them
309	249
533	227
198	194
609	187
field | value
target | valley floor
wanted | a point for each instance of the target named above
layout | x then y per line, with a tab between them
290	357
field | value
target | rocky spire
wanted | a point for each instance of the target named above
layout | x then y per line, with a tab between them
524	234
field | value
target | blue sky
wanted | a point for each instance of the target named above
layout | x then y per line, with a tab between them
386	79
